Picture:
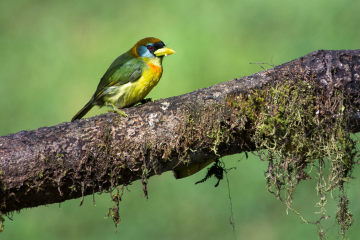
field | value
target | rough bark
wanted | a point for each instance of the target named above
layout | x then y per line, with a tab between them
71	160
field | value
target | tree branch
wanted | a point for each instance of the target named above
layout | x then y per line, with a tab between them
71	160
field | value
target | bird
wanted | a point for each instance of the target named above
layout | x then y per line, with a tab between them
130	77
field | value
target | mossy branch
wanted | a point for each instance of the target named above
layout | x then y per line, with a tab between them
71	160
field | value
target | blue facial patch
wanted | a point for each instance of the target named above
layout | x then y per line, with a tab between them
144	52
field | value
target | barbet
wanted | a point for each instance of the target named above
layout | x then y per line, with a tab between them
130	77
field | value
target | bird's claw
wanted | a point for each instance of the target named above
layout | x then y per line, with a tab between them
146	100
119	112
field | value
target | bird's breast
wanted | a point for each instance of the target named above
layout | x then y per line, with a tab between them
148	80
133	92
155	69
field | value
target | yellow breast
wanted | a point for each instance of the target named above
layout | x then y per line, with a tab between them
133	92
146	82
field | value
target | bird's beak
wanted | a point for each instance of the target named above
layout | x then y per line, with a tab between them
164	52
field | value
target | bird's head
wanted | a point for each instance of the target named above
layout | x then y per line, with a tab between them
150	48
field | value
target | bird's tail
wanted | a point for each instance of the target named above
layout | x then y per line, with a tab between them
84	110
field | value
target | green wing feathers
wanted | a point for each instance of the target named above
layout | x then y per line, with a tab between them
124	69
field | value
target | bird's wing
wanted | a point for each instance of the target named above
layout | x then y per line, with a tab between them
123	70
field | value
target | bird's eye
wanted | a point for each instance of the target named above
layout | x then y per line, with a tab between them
150	47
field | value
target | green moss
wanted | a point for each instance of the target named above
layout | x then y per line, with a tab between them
2	220
203	129
297	126
114	211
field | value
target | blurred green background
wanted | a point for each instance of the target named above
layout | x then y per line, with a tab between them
53	54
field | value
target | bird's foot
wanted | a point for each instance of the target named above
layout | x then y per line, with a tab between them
115	110
146	100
